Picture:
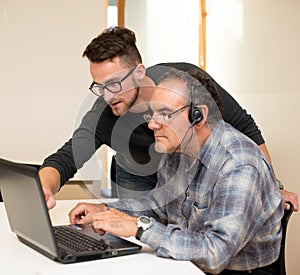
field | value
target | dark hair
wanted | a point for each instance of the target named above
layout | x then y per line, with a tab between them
114	42
203	88
209	83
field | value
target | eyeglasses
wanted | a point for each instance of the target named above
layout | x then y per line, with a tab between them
113	86
163	118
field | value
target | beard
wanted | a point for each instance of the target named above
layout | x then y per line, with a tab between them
122	105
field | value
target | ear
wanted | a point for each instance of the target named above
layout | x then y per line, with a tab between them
204	110
140	72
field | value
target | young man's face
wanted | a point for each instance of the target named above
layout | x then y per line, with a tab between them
109	71
169	133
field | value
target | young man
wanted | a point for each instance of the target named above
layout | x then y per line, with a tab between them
116	119
216	202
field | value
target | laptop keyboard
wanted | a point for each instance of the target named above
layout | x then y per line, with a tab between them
76	240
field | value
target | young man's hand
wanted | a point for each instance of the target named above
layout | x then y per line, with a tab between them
49	198
50	180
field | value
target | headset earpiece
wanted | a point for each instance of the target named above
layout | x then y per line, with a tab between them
195	113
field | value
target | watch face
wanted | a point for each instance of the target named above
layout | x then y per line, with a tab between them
144	222
144	219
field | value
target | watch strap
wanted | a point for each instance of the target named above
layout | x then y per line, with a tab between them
139	233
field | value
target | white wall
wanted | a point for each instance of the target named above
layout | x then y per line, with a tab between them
253	52
43	78
167	31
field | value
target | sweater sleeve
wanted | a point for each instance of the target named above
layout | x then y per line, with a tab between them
62	160
238	117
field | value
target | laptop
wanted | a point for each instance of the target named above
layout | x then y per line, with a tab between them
29	219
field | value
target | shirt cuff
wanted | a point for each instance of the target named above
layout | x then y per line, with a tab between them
153	236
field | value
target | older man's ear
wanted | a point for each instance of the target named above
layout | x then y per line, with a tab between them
204	112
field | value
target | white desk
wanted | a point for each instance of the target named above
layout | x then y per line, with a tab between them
17	258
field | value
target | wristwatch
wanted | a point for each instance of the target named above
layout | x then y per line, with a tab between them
143	223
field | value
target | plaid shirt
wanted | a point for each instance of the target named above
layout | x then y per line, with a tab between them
223	211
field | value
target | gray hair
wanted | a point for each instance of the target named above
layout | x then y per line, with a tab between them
201	90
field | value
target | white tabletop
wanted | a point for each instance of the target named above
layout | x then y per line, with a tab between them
17	258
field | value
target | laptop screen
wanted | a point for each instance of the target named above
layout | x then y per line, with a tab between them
26	209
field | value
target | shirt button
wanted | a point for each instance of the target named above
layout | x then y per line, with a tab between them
187	193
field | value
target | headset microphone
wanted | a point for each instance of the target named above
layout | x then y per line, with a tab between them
184	137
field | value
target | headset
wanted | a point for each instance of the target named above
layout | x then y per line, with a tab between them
195	113
195	116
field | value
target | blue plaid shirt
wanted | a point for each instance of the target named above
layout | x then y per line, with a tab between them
223	211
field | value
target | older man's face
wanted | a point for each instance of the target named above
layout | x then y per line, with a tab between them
168	98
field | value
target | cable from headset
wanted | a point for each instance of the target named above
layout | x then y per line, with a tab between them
185	135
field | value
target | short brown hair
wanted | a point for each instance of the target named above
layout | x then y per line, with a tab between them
114	42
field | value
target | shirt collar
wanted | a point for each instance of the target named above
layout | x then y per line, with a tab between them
210	146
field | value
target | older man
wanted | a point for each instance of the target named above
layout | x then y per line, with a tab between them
216	202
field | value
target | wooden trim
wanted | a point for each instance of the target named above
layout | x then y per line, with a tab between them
202	34
121	12
106	5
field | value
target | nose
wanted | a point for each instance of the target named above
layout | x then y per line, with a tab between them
108	96
153	125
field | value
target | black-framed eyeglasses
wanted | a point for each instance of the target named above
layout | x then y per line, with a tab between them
163	118
113	86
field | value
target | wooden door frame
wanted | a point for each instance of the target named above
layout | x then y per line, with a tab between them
202	34
121	12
